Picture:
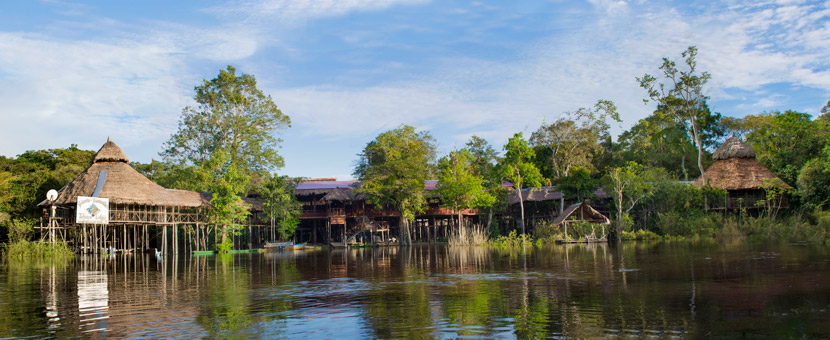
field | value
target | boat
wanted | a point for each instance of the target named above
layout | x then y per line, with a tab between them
285	245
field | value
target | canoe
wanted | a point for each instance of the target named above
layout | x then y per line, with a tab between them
203	252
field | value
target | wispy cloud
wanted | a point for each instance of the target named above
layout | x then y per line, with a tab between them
292	11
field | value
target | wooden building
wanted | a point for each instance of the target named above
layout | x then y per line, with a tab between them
334	212
738	172
142	214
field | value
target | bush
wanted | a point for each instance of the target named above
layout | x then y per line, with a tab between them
42	249
639	235
511	240
20	229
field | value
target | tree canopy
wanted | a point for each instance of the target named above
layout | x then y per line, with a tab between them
392	169
680	97
232	115
517	167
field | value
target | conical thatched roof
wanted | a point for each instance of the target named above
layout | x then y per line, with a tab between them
124	185
734	148
736	168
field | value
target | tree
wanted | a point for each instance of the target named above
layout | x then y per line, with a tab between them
280	205
578	183
785	142
484	161
630	184
234	116
575	139
659	142
683	100
517	167
392	169
814	181
459	186
229	138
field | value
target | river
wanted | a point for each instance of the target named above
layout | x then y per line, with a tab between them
642	290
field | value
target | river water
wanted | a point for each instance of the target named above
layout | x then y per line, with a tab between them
638	290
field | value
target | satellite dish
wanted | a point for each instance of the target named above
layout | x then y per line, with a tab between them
52	195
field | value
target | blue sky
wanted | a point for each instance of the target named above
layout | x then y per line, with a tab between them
344	71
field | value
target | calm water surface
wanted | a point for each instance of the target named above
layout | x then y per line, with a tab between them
661	290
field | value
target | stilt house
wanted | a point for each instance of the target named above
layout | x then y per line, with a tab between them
744	178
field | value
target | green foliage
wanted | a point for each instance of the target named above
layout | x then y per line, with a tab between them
280	205
24	248
233	115
21	229
173	176
657	141
631	184
683	100
814	181
458	185
546	232
225	247
518	168
578	183
639	235
25	180
574	140
785	142
510	240
224	142
392	170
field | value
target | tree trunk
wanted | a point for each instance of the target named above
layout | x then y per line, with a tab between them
522	211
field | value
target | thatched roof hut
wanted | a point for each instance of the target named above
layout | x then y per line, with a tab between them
735	168
111	173
542	194
584	212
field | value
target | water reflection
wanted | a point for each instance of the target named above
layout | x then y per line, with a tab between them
574	291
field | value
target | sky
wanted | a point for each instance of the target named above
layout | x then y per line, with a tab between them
75	72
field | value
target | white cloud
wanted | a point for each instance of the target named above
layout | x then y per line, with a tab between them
60	92
299	10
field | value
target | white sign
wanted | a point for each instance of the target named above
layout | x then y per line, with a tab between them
92	210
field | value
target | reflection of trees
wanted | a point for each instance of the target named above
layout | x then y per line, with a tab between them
225	312
22	312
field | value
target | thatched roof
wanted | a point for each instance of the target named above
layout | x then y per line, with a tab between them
588	212
124	185
340	194
110	152
734	148
544	194
735	168
739	174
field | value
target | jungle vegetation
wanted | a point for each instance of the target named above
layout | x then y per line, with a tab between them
227	145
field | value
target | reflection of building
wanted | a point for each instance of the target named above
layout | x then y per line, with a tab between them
738	172
93	300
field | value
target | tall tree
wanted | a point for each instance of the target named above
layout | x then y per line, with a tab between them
683	99
517	166
459	186
280	205
229	137
659	142
574	139
392	169
630	184
232	115
484	161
